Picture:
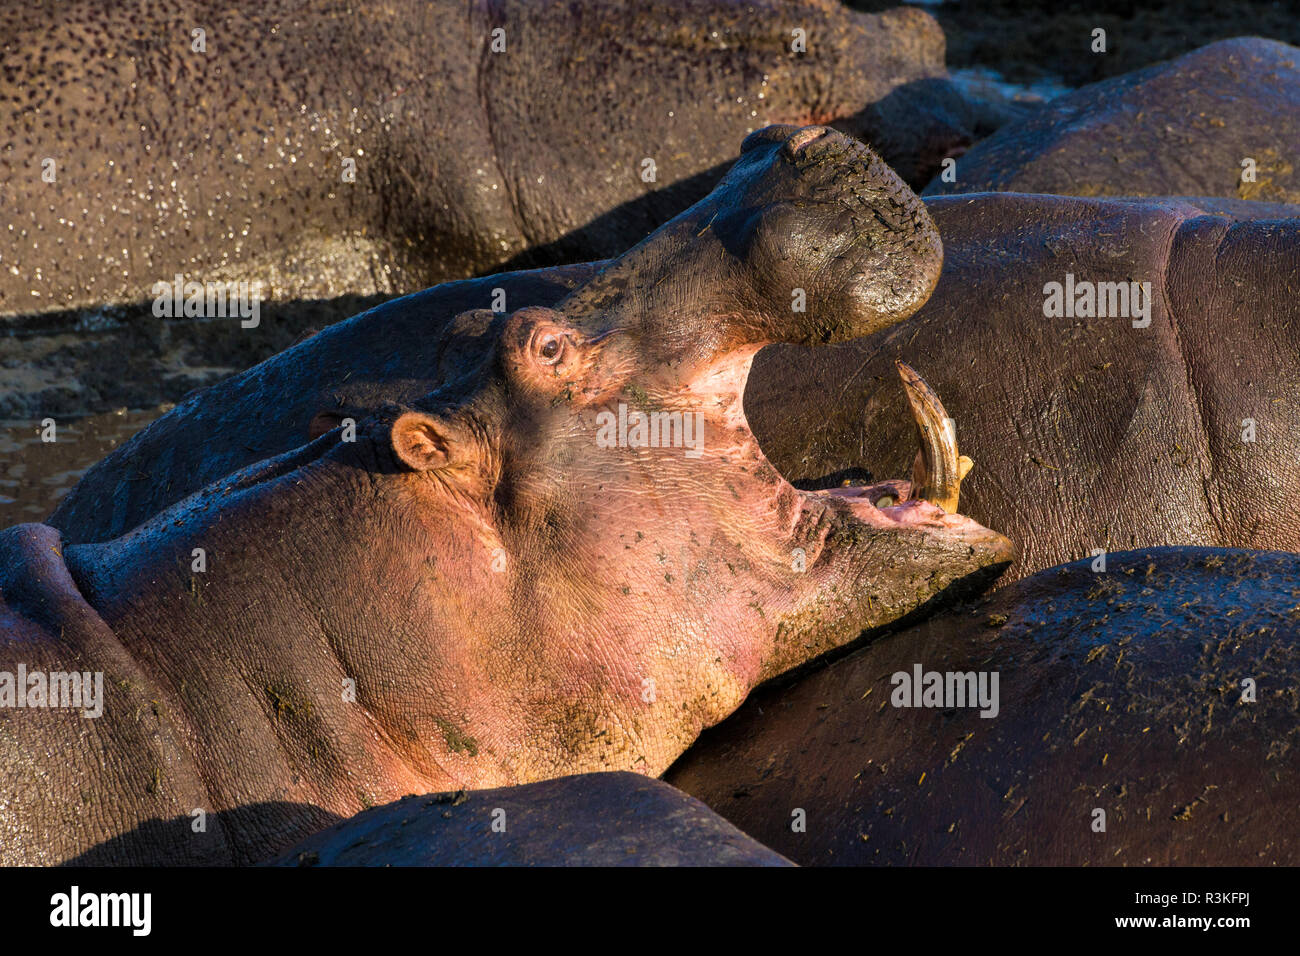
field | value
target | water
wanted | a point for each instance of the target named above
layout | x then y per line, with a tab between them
981	82
35	475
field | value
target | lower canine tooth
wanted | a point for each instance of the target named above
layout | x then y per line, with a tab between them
938	470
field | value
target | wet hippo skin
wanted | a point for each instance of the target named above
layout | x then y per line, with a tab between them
1119	691
1180	128
229	162
595	819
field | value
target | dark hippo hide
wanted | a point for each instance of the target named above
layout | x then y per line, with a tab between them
1180	128
228	164
594	819
1086	432
1119	691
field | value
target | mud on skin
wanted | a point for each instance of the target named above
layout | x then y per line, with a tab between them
549	605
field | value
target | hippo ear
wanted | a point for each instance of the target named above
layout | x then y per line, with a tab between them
324	422
421	441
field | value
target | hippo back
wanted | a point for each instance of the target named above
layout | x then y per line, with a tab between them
91	735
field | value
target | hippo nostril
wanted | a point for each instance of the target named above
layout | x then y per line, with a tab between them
796	143
777	133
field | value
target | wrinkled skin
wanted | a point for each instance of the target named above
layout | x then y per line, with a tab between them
1086	433
1180	128
600	819
513	599
1119	691
465	158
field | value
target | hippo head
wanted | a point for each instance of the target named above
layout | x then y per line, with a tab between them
575	556
610	542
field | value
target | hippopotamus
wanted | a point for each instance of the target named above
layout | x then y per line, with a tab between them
1222	121
1140	713
396	352
313	150
592	819
570	558
1087	432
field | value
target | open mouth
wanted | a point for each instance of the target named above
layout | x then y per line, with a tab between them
930	499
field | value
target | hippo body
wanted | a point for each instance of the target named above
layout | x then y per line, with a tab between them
572	557
121	787
1119	691
595	819
386	150
1086	432
1181	128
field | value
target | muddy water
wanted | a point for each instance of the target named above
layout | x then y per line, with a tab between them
35	474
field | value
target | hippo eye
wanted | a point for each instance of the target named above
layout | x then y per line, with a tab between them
549	347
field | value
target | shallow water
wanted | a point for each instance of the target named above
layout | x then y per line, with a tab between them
982	82
35	475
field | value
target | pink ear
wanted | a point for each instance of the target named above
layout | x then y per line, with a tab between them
420	442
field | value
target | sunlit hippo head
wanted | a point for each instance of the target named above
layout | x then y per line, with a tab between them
614	553
574	555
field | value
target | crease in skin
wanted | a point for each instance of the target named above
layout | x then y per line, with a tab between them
1205	460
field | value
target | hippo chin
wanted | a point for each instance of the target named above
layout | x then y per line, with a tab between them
573	557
